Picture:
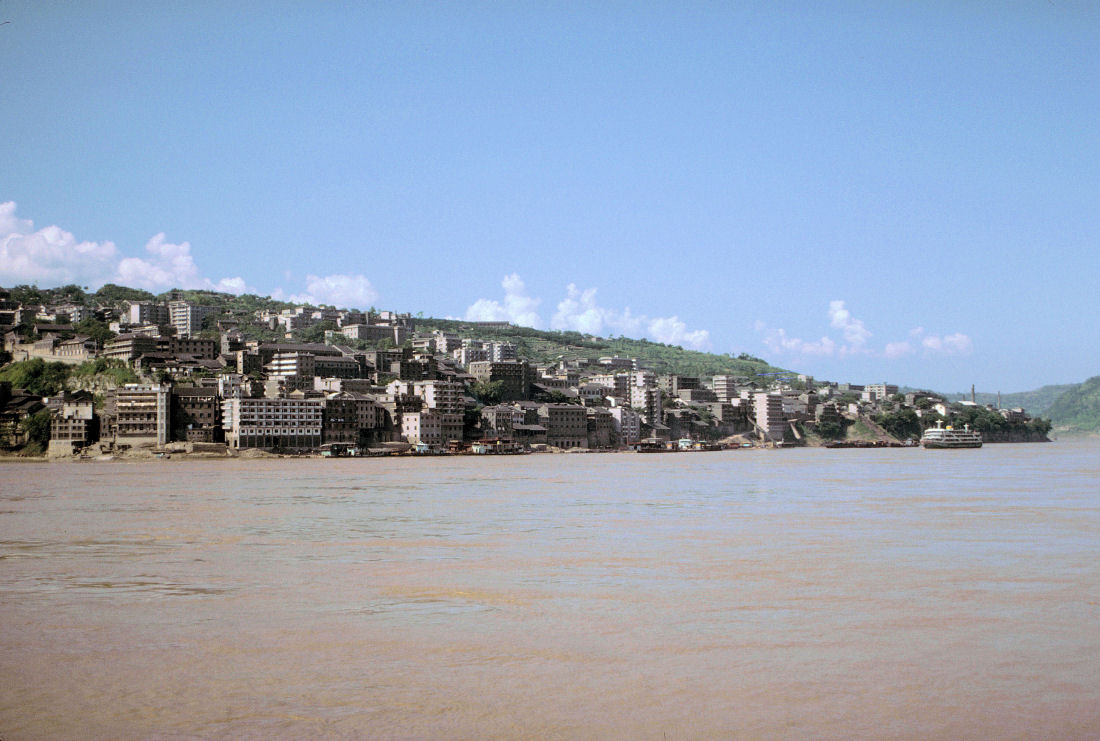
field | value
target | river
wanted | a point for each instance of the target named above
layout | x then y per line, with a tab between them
809	593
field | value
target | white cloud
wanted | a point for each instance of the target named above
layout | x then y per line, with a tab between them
852	330
671	331
855	334
235	286
341	291
952	344
53	256
578	311
895	350
518	307
778	341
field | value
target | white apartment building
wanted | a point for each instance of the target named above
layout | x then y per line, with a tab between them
142	414
447	397
187	317
146	312
502	351
293	424
646	400
725	387
470	354
425	426
292	363
628	424
878	391
769	415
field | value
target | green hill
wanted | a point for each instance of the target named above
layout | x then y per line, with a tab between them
1078	409
542	346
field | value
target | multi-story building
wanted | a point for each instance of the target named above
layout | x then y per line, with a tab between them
283	423
501	352
446	342
129	347
725	387
292	363
231	385
470	353
646	400
206	349
428	426
232	342
146	312
187	317
769	415
566	425
351	418
351	317
78	348
501	420
601	429
628	424
879	391
617	363
196	414
338	366
445	396
515	377
73	425
397	334
140	413
617	384
672	384
333	385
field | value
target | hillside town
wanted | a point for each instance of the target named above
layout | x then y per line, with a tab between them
177	375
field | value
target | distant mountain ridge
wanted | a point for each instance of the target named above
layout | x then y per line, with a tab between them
1036	402
1073	407
1078	409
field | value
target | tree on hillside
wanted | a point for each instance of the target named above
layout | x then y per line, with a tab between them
901	424
37	428
488	393
26	295
71	293
112	294
37	376
97	330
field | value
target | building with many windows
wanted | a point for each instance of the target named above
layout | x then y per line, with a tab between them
566	425
515	377
146	312
73	424
769	415
269	423
140	414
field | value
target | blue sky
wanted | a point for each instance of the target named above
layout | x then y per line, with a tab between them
901	192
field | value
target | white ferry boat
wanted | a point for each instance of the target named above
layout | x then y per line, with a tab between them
948	437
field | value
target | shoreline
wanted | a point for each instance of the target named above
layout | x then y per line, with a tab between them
147	455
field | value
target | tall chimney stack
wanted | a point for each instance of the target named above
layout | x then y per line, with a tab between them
973	398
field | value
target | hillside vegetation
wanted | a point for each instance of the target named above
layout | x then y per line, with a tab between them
544	346
1078	409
